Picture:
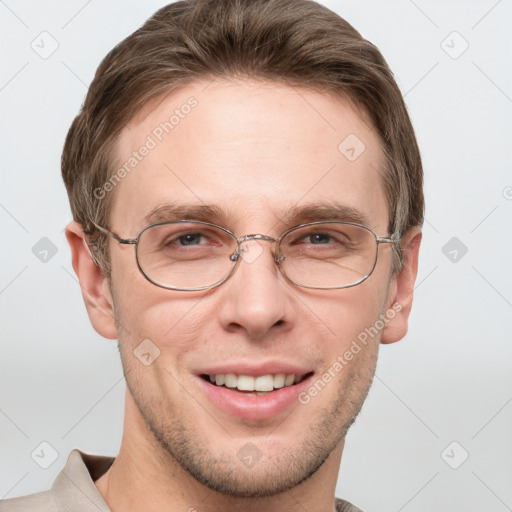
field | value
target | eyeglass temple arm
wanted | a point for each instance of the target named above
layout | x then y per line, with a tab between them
115	235
392	240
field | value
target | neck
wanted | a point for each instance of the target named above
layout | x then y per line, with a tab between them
144	476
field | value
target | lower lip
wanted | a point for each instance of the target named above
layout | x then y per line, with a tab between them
253	407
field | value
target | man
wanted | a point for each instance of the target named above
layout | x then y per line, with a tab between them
259	158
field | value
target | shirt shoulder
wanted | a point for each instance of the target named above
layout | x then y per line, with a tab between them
44	502
345	506
72	490
40	502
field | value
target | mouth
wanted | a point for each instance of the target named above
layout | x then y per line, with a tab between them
254	395
260	385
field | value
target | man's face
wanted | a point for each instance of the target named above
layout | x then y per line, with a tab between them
255	152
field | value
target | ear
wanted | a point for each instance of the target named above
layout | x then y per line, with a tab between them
93	283
401	289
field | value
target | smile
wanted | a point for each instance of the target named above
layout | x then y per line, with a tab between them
257	384
254	394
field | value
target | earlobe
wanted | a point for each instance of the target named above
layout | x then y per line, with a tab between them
401	289
93	283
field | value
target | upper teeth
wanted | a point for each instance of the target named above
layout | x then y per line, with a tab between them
249	383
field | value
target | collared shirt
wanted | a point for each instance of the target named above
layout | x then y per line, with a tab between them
74	491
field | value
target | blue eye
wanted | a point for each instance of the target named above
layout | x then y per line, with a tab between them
189	239
319	238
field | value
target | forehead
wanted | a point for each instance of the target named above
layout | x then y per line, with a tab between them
252	150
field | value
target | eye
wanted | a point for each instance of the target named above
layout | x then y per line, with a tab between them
175	237
324	241
318	238
331	237
188	239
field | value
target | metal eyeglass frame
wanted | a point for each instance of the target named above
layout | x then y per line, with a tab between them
278	257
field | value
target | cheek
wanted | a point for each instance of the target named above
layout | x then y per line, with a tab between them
352	311
168	324
350	339
157	339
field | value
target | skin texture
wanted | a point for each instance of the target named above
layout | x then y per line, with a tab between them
255	150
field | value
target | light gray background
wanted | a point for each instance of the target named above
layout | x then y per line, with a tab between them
448	380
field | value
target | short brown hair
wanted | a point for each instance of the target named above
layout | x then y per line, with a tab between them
293	42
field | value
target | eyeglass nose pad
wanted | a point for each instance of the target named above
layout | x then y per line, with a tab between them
278	257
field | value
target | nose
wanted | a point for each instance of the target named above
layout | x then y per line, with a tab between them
256	300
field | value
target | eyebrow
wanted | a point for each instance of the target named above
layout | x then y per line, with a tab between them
177	211
313	212
310	212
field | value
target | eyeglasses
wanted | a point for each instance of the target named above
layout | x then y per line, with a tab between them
190	255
